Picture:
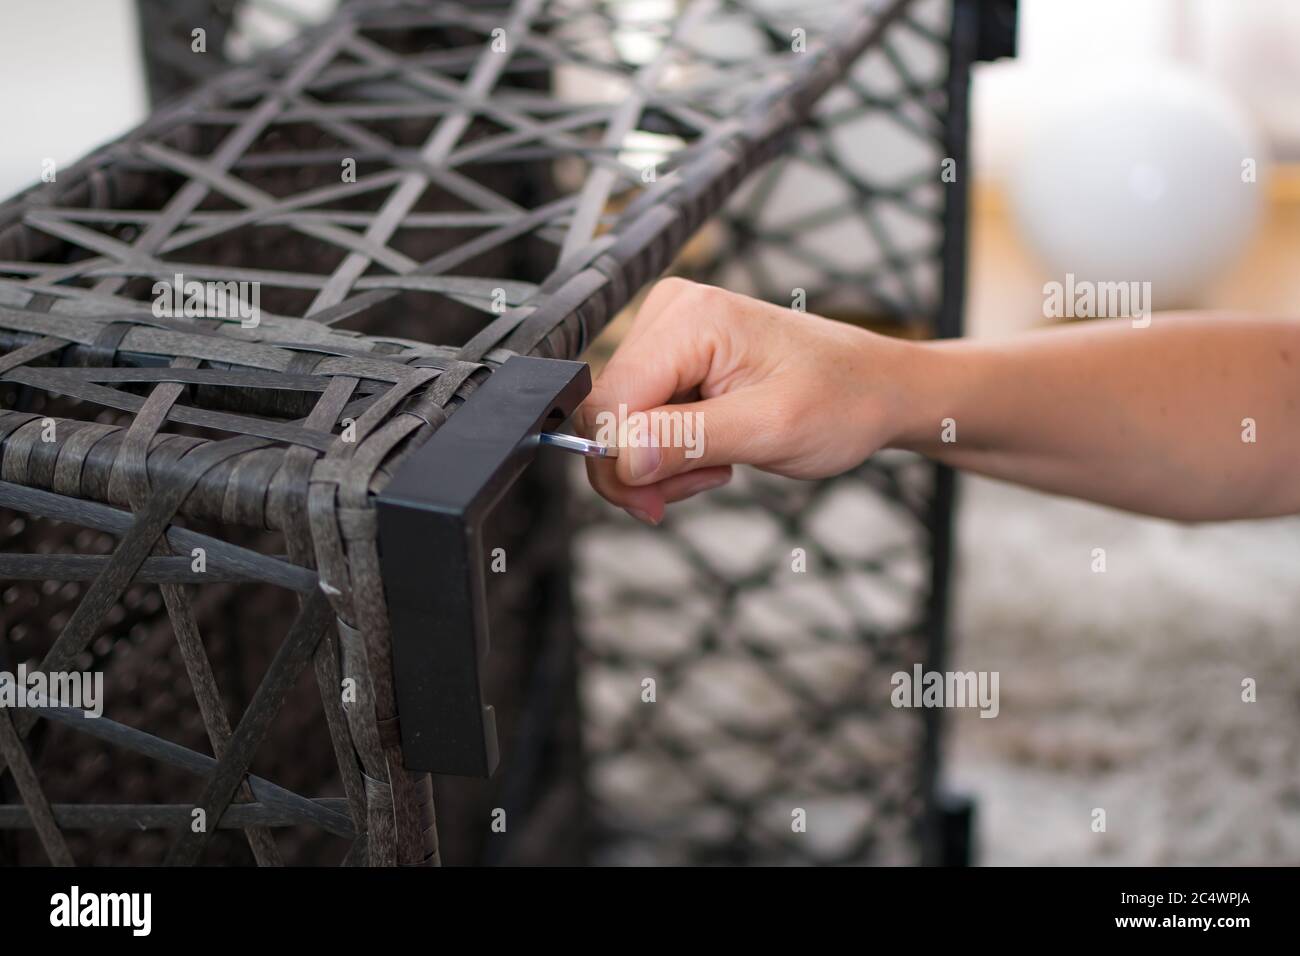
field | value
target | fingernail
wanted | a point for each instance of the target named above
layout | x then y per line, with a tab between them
643	460
642	516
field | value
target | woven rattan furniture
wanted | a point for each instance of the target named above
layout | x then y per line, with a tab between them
367	181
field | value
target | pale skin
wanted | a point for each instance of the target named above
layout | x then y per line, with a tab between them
1149	420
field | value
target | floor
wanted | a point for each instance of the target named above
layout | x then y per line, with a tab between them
1123	691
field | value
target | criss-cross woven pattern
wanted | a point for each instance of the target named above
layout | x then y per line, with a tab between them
221	334
772	614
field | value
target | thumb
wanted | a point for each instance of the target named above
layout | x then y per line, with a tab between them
675	439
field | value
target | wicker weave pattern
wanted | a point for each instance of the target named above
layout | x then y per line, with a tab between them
774	683
167	431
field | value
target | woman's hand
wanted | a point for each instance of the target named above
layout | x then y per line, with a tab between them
737	381
1189	416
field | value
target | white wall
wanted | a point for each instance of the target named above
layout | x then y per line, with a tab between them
70	79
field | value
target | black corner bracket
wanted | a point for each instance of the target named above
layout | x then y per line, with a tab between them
431	557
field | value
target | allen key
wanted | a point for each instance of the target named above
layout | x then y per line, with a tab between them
580	446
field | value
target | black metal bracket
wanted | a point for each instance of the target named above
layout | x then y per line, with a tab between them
997	29
431	557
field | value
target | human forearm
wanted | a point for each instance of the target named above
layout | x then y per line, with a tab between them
1147	419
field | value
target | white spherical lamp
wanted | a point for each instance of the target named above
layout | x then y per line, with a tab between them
1138	175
